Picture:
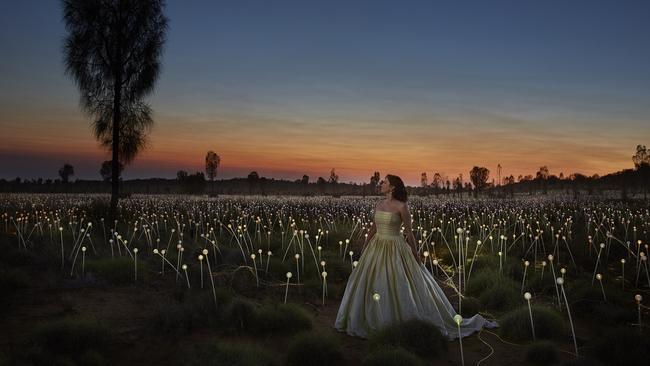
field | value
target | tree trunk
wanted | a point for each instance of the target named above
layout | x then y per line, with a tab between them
115	164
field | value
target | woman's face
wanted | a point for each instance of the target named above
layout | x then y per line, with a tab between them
384	186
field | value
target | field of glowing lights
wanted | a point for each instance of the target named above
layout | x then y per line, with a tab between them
257	280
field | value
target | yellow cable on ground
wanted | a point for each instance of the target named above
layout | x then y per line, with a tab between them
487	344
521	345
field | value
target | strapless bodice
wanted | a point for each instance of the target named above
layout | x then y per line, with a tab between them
388	223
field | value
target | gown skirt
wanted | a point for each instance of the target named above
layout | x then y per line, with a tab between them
406	289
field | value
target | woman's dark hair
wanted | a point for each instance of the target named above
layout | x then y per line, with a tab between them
400	191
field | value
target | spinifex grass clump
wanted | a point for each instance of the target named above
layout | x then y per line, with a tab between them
502	295
314	349
189	312
392	357
240	315
471	306
493	290
116	271
542	353
225	354
515	325
12	279
623	346
281	318
70	341
416	336
587	302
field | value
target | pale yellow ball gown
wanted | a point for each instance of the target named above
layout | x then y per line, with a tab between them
406	289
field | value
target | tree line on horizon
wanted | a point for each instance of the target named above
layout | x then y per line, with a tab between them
626	182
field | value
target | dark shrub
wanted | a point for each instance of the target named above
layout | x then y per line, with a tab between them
70	341
549	324
282	318
195	311
313	349
392	357
502	295
240	315
416	336
542	353
13	279
470	306
225	354
171	317
623	346
581	362
116	271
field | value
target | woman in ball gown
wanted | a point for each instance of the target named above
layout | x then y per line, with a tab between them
389	284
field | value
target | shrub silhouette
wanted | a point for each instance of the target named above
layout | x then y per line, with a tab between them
549	324
416	336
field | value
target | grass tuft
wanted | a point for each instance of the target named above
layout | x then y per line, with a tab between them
416	336
392	357
542	353
314	349
549	324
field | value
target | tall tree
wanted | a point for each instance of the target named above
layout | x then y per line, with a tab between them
106	170
253	178
424	181
542	175
374	182
305	179
66	172
437	182
479	176
212	161
642	165
334	178
112	52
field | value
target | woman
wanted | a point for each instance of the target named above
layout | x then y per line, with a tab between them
389	284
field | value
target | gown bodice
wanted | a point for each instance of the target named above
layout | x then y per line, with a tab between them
388	223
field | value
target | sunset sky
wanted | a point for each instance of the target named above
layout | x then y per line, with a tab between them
288	88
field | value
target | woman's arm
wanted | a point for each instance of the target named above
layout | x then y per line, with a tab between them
410	239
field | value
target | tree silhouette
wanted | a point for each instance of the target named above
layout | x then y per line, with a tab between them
321	182
191	183
424	181
479	176
106	170
642	165
334	179
263	181
181	174
253	178
66	172
305	179
212	161
112	52
374	182
542	175
437	182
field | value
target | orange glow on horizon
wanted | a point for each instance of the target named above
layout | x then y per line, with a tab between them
354	148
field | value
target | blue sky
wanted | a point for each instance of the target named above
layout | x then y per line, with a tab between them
286	87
